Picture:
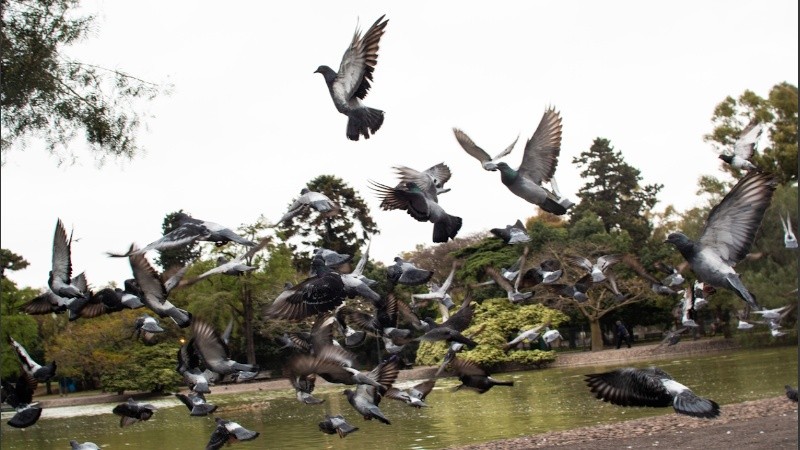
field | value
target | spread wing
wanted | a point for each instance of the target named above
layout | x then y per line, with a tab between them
358	62
746	144
541	151
62	262
732	224
469	146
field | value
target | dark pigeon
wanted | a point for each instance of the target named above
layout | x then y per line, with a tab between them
132	411
317	294
228	432
512	234
351	83
728	235
215	353
60	280
744	147
649	387
154	292
336	425
474	377
20	397
407	274
34	370
575	291
419	205
791	393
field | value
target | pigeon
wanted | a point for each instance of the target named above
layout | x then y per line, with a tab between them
146	326
228	432
474	377
744	325
303	386
317	294
514	295
48	302
335	365
530	335
20	397
355	283
450	330
33	369
649	387
538	165
728	234
414	395
336	425
349	86
791	393
406	273
673	278
655	285
421	206
196	402
550	336
789	239
512	234
85	446
744	147
776	332
773	314
331	258
548	272
575	291
510	273
384	323
366	397
313	200
189	367
597	269
154	292
431	181
687	309
352	338
190	230
673	337
439	293
60	280
234	267
132	411
487	162
215	353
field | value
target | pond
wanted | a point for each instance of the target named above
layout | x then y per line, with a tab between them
540	401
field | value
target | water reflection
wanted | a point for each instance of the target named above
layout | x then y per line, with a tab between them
540	401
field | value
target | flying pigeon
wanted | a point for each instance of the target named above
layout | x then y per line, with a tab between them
188	366
190	230
60	280
355	283
487	162
550	336
413	396
406	273
33	369
228	432
514	295
575	291
331	258
512	234
384	323
335	365
351	83
773	314
673	278
310	199
791	393
317	294
85	446
530	335
538	166
196	402
687	309
154	292
597	269
744	325
474	377
547	272
789	239
147	326
215	353
655	285
336	425
673	337
234	267
439	293
20	397
421	206
450	330
743	147
431	181
48	302
649	387
728	234
132	411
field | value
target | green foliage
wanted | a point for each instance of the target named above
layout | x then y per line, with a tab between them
500	321
613	192
176	257
11	261
778	112
45	93
22	327
144	368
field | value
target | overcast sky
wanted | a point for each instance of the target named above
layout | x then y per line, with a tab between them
248	123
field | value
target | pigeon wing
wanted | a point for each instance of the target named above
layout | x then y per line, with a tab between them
541	151
62	261
358	62
629	387
469	146
746	143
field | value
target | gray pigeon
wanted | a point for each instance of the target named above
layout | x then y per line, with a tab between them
655	285
132	411
154	292
649	387
34	370
366	397
215	353
575	291
487	162
514	295
196	402
60	280
228	432
728	234
421	206
406	273
234	267
431	181
310	199
189	368
439	293
789	239
190	230
530	335
85	446
744	147
413	396
330	257
597	269
147	326
450	330
512	234
351	83
336	425
538	166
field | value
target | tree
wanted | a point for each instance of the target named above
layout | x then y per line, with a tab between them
338	233
20	326
177	256
778	112
47	94
613	193
10	261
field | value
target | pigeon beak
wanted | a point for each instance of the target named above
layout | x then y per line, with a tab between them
316	71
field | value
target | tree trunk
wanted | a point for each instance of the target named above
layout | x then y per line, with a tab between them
247	303
597	334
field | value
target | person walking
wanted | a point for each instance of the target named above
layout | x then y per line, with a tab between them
623	334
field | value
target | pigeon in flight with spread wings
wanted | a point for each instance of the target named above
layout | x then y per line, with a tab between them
512	234
538	166
351	83
228	432
480	154
234	267
431	181
20	397
60	281
310	199
744	147
597	269
789	239
728	234
154	292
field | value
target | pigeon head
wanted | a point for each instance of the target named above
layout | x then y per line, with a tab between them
679	240
507	174
327	73
727	158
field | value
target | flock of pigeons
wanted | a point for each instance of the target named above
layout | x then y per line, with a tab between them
205	359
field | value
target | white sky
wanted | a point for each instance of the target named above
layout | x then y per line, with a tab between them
249	123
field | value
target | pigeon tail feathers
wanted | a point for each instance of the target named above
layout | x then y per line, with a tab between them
362	122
